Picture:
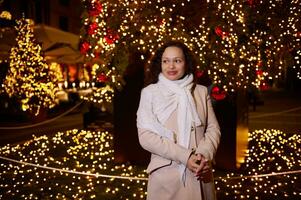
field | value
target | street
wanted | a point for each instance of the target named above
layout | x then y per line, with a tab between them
281	111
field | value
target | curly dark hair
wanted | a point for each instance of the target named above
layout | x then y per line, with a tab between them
153	69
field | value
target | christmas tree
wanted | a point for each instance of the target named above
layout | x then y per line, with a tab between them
29	78
238	43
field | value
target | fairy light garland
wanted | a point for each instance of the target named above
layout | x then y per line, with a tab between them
270	152
5	15
74	172
80	164
104	85
76	151
297	65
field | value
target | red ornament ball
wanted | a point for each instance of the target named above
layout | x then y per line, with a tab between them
259	72
111	36
263	86
102	77
218	94
220	32
84	48
251	2
96	9
92	28
199	73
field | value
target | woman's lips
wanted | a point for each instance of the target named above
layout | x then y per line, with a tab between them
172	73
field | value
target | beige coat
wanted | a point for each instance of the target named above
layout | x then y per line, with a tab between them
164	177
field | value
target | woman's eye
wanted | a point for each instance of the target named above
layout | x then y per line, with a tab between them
165	61
178	61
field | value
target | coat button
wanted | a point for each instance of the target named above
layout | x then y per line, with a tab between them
192	128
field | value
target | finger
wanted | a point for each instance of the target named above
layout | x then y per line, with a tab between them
200	178
194	161
195	167
201	166
199	156
191	164
204	166
203	172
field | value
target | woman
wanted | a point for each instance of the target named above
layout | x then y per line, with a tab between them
177	124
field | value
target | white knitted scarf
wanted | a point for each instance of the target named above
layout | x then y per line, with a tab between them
175	95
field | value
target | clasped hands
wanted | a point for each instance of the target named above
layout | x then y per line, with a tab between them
198	164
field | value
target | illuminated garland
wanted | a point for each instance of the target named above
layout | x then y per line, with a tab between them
269	151
97	175
29	77
5	15
239	43
105	81
80	165
55	68
82	151
297	65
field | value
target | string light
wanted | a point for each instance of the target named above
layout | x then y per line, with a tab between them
270	151
226	35
69	165
5	15
74	150
297	65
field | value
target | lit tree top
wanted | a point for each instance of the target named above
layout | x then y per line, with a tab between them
29	77
239	43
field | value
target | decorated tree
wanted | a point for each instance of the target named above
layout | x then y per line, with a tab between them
238	43
274	26
29	78
115	30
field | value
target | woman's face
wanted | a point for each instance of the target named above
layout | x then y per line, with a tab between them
173	63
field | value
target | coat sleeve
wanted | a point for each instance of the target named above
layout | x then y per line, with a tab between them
208	145
155	143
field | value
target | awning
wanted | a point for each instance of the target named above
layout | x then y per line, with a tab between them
57	45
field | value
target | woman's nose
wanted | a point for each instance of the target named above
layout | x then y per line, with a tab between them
171	64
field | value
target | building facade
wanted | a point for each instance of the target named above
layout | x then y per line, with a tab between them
61	14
